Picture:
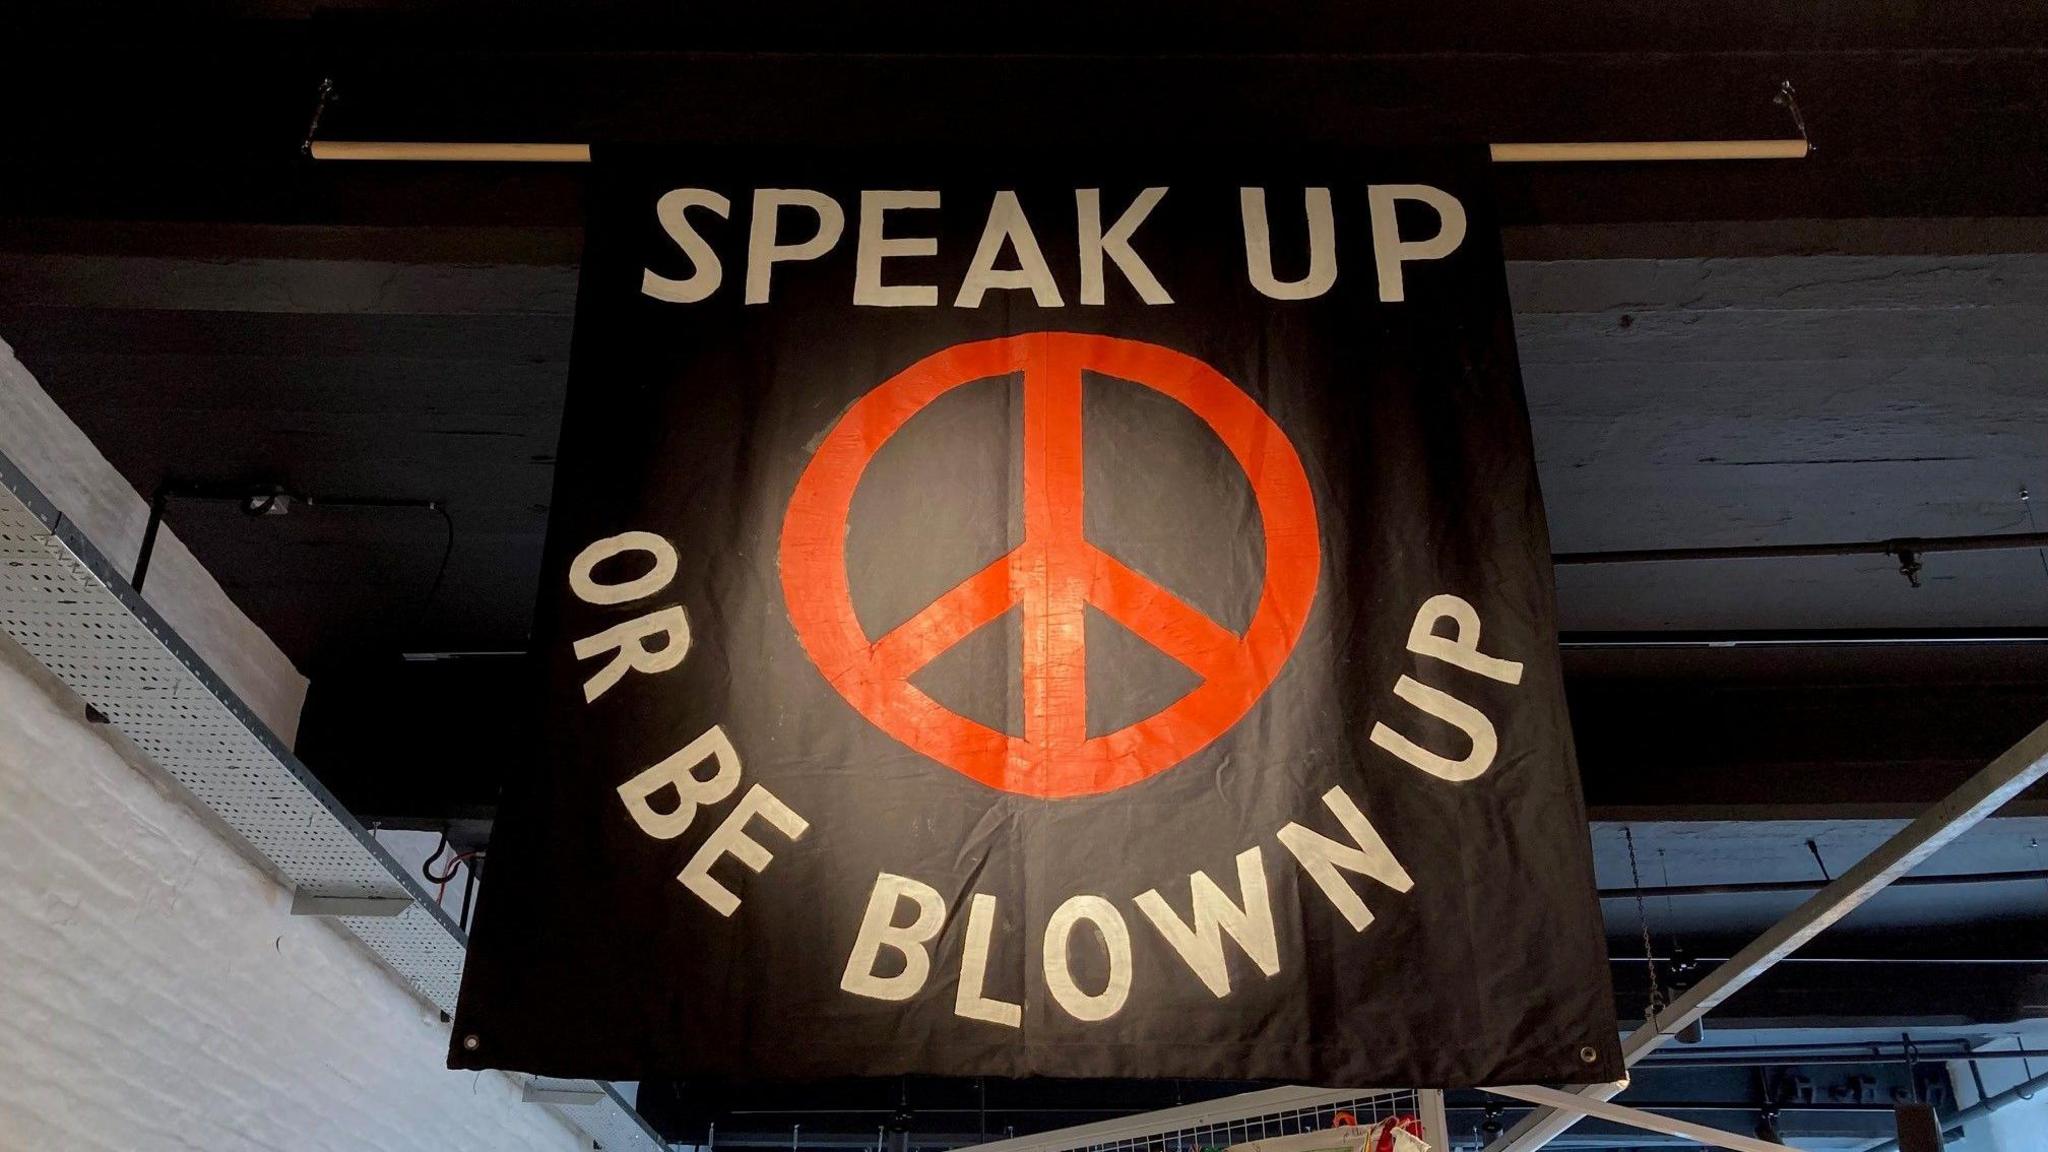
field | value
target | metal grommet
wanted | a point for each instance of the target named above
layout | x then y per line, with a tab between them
471	1043
1587	1054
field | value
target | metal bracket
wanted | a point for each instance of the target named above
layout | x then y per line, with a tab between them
567	1097
1789	100
1909	560
157	502
381	907
327	97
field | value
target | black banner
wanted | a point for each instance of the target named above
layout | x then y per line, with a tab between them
1005	620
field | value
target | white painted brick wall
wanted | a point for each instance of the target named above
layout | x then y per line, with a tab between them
156	994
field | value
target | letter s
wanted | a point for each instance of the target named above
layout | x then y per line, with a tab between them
708	273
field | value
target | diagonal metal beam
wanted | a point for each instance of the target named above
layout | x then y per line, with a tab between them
1634	1117
1979	796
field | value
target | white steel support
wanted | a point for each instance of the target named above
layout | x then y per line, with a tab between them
1978	797
1577	1106
1436	1126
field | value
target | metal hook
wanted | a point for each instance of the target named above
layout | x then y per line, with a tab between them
1789	100
319	109
1909	563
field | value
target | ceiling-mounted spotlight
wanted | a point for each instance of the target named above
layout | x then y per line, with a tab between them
1684	969
273	502
1767	1124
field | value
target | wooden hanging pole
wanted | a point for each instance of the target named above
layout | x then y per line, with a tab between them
1623	151
1549	152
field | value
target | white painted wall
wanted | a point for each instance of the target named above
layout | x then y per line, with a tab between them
72	474
2021	1126
156	994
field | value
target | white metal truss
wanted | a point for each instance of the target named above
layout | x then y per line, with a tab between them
1218	1124
70	609
1984	793
1577	1105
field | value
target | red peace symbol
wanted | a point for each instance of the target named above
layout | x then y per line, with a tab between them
1052	574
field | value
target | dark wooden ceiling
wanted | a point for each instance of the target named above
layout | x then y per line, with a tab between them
1676	403
1852	346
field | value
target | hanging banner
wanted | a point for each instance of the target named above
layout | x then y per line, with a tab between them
1044	621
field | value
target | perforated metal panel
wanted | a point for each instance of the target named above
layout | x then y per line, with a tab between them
418	947
63	603
610	1121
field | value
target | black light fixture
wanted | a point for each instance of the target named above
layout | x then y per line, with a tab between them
1684	967
1767	1124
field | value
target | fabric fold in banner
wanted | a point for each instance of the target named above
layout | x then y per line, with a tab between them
1087	620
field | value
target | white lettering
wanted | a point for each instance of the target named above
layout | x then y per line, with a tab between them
878	930
1461	649
1390	251
969	1001
731	839
1201	946
1258	246
1116	940
1451	710
587	589
706	272
1007	225
692	791
628	642
1115	244
875	247
763	251
1321	857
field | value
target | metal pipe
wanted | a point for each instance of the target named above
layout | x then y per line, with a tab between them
161	500
1547	152
2024	961
1917	545
1736	1057
1752	887
1830	638
1977	1111
157	501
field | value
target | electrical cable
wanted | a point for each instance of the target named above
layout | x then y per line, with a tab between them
455	865
447	551
2027	502
426	866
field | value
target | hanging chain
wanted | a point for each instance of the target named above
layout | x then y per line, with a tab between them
319	109
1789	101
1657	1002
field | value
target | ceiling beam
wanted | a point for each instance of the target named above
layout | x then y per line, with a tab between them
1979	797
